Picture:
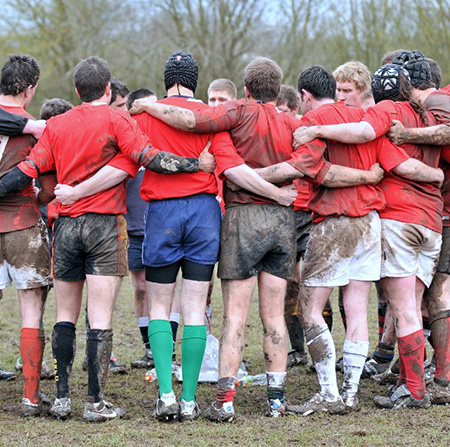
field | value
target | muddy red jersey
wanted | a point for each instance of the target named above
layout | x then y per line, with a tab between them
304	195
79	143
438	104
18	210
408	201
186	144
260	132
352	201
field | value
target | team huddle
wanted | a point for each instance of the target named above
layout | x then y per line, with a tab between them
346	194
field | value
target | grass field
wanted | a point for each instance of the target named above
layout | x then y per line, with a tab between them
370	427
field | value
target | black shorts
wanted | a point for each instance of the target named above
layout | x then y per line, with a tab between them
93	244
257	238
303	221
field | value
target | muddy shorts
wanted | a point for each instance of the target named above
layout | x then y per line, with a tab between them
135	253
444	257
341	249
257	238
186	227
409	249
303	221
25	258
91	244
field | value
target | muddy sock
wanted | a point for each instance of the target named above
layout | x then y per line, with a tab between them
63	347
294	327
143	329
226	390
99	348
321	348
440	334
32	342
275	385
192	351
355	355
161	344
411	352
382	307
383	353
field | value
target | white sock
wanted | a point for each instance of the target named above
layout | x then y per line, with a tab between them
174	316
321	348
275	379
143	321
355	355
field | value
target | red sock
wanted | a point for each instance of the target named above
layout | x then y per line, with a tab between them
411	350
401	371
440	334
31	351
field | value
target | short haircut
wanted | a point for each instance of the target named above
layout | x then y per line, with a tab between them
390	56
19	72
318	81
288	96
262	77
137	94
118	88
355	72
53	107
436	72
223	84
91	77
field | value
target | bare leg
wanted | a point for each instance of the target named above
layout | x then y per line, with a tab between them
237	295
272	290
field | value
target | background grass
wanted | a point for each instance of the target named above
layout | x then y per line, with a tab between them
370	427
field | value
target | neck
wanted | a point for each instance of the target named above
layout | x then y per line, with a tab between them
422	95
9	100
179	90
315	103
251	99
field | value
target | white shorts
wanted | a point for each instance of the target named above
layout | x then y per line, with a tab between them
25	258
341	249
409	249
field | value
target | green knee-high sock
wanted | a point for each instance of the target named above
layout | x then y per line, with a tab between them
161	344
192	351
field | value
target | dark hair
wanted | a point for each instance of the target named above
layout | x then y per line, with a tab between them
318	81
53	107
118	88
91	78
19	72
288	96
436	72
262	77
137	94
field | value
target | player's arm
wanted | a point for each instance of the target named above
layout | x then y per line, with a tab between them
336	176
414	169
350	133
247	178
13	181
177	117
110	176
437	135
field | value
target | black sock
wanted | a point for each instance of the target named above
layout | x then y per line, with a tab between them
63	347
144	336
174	325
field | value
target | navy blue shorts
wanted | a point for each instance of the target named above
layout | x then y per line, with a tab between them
187	227
135	253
